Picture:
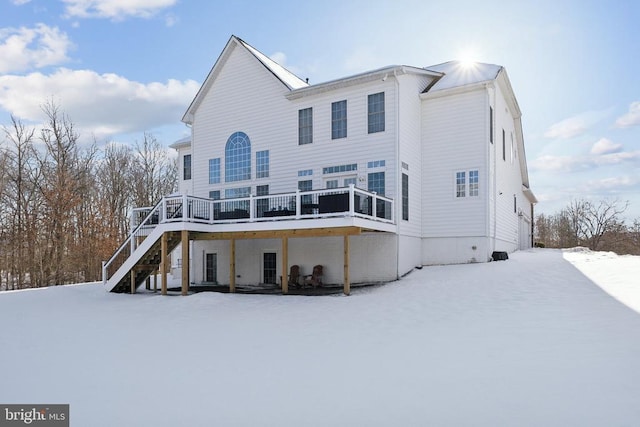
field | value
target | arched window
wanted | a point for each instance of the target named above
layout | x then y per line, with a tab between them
237	158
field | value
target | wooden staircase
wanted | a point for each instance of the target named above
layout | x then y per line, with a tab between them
147	264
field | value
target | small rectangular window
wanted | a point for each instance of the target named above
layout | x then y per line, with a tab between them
339	119
215	194
305	126
461	184
306	185
376	164
375	106
375	182
405	197
186	167
473	183
332	183
467	183
504	148
214	171
262	164
306	172
491	125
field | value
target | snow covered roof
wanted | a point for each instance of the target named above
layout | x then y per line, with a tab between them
181	143
457	74
286	76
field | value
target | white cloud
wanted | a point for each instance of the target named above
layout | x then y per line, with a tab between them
550	163
559	163
632	118
20	2
576	125
612	183
115	9
605	146
102	104
615	158
27	48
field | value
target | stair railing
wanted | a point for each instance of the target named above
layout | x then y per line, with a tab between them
124	251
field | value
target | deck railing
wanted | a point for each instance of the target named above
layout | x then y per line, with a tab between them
314	204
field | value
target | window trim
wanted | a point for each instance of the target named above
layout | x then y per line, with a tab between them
237	166
374	124
305	130
405	197
214	166
470	189
262	164
187	160
339	119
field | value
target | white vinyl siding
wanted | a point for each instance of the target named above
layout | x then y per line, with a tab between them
454	145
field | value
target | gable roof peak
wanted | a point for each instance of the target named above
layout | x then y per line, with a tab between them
285	76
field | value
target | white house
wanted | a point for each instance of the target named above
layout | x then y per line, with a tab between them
369	176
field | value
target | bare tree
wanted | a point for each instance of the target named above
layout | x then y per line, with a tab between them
22	200
599	218
62	189
154	173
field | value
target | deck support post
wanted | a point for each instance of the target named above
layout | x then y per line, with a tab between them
133	280
347	284
285	265
163	262
185	261
232	266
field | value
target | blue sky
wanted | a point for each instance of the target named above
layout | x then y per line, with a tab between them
122	67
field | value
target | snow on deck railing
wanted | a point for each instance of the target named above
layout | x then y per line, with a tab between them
345	201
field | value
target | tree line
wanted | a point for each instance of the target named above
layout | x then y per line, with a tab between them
64	207
597	225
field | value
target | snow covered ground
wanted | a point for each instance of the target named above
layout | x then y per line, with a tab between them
531	341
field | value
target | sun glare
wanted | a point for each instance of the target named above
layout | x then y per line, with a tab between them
467	58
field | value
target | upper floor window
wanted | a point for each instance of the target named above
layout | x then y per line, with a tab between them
341	168
186	167
376	112
461	184
405	197
473	183
504	148
467	187
375	182
305	126
262	164
339	119
491	125
214	171
237	157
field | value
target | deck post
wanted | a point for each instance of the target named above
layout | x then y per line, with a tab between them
163	262
133	280
185	261
232	266
347	284
285	265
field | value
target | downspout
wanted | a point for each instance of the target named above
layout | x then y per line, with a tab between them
495	175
